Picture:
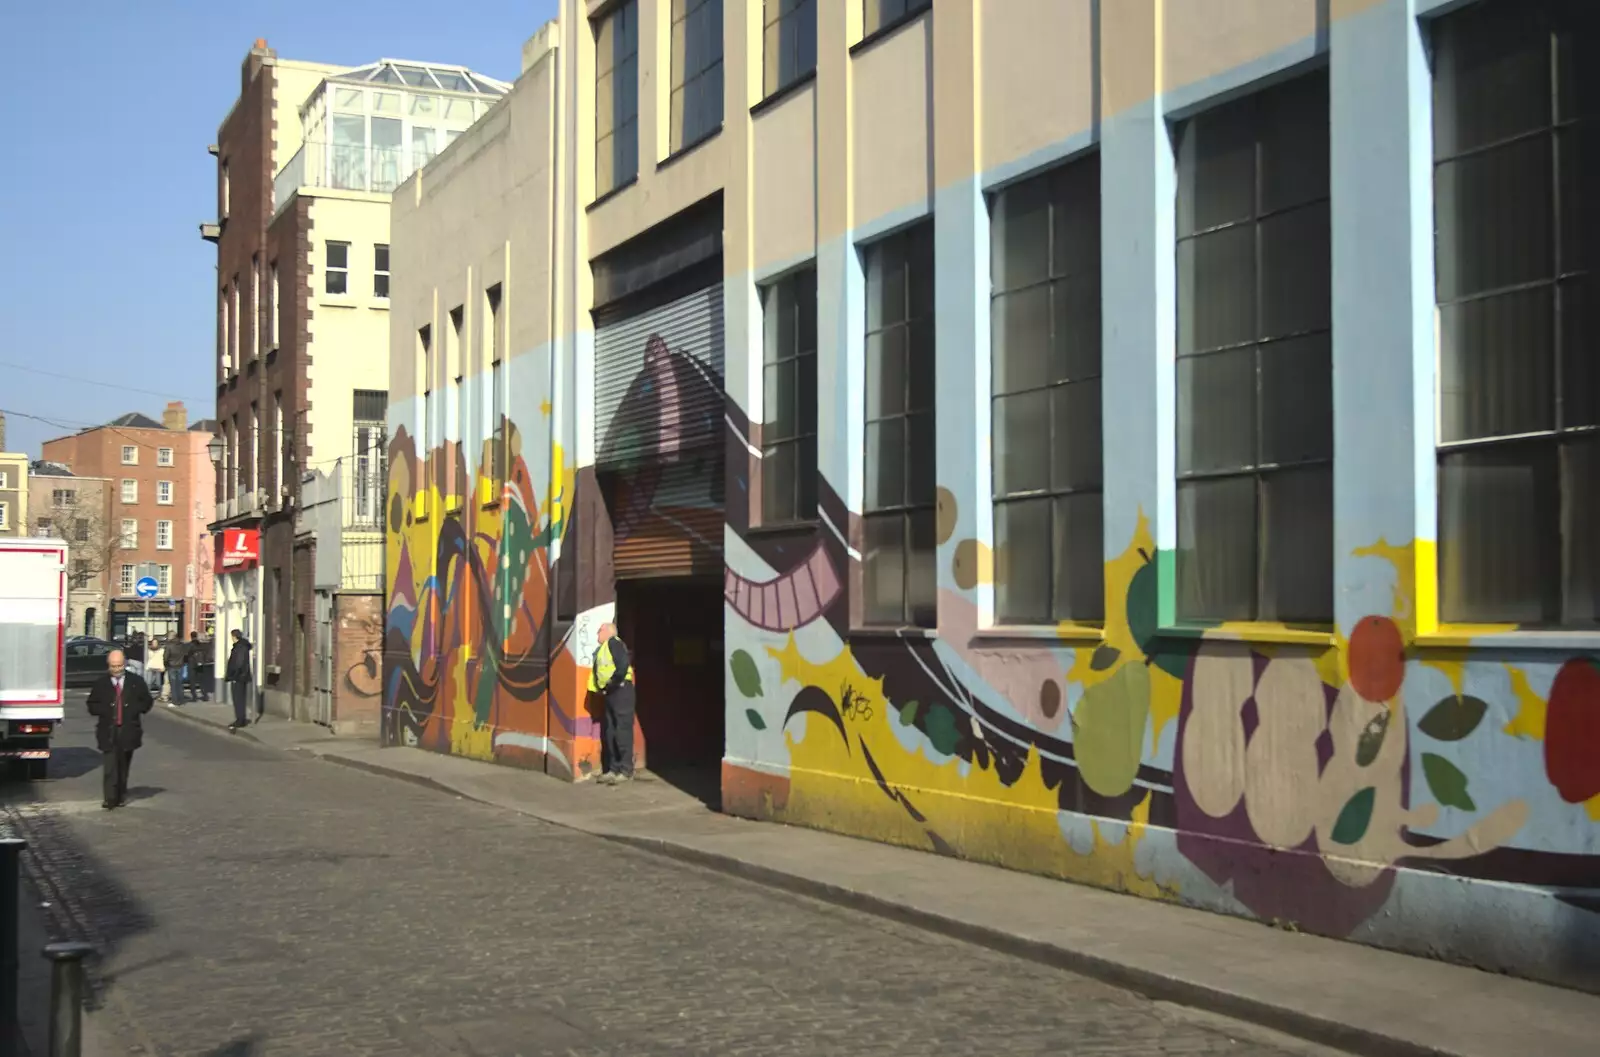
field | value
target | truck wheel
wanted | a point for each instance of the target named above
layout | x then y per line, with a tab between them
38	770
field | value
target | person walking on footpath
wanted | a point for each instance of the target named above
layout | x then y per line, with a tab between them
155	669
237	675
192	660
175	657
611	675
118	701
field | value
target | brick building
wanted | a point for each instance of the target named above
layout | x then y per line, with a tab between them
306	160
77	508
160	475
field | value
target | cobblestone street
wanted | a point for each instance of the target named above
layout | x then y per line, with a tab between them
255	902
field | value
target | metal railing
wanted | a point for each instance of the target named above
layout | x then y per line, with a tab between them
347	167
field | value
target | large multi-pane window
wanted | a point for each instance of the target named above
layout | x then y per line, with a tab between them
369	411
494	338
876	14
1045	320
789	43
789	397
616	98
898	559
1517	153
696	104
1254	376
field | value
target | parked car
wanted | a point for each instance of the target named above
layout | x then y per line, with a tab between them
86	661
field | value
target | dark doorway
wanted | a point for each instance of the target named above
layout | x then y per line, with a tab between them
674	629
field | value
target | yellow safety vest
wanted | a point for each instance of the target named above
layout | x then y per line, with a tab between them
604	667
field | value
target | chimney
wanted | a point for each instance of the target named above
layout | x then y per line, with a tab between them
175	417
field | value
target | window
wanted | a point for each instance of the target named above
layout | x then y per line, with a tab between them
125	581
273	307
5	515
233	335
80	530
371	408
616	98
425	358
495	339
898	564
337	280
226	191
879	14
130	490
1045	325
1254	381
1516	150
277	440
255	305
696	105
380	270
223	331
5	479
61	497
164	493
255	447
129	539
130	455
164	580
163	535
163	456
789	396
80	574
789	46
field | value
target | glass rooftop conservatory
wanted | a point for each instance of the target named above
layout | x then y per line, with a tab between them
370	128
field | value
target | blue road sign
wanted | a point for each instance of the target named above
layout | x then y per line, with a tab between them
146	587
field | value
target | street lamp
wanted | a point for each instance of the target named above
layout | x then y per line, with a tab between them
214	449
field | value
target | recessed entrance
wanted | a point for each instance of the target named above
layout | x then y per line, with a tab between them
674	629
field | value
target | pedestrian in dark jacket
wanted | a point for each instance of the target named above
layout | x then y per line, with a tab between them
611	674
176	658
193	658
238	676
118	701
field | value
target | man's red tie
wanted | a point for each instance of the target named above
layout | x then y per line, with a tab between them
118	685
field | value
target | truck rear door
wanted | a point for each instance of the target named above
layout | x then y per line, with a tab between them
33	615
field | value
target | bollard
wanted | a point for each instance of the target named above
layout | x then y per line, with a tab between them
10	895
67	992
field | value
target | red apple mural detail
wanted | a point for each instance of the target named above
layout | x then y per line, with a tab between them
1572	731
1377	658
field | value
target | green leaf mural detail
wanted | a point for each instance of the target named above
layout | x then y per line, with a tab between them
942	730
1144	620
1449	785
755	719
908	714
1104	657
745	675
1355	817
1453	718
1371	740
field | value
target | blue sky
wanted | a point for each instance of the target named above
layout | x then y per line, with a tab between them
108	106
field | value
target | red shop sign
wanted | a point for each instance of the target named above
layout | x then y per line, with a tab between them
240	548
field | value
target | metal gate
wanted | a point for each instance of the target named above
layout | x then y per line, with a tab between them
322	663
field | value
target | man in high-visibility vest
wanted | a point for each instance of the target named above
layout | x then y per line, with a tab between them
611	674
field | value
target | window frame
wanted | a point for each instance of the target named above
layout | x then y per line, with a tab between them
164	457
1056	191
679	136
800	354
608	68
330	270
128	537
1259	469
126	579
380	270
881	17
909	509
5	514
773	25
168	486
493	339
274	306
130	455
1540	451
164	581
128	492
167	546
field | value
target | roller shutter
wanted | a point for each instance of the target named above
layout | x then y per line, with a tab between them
658	388
667	519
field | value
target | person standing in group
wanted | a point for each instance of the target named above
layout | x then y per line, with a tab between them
192	661
238	676
155	668
174	656
611	675
118	701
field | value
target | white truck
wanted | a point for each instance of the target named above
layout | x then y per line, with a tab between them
33	647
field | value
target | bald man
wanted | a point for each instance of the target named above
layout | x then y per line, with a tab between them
611	675
118	701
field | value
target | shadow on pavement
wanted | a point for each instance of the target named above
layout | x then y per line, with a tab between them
74	761
702	783
245	1047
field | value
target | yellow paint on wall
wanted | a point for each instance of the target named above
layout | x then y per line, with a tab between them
1531	709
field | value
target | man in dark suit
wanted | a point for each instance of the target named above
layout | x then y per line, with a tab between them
118	701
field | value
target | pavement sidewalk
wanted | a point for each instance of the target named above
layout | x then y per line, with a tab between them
1356	998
